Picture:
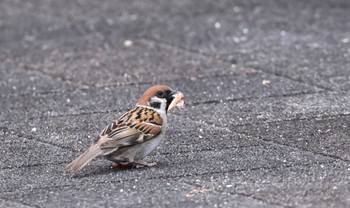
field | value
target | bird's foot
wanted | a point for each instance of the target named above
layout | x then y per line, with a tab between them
119	165
135	164
141	164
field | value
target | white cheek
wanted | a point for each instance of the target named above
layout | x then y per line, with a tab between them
158	100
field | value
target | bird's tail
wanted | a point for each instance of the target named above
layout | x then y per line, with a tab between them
84	158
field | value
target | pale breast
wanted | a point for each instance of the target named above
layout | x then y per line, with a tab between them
147	147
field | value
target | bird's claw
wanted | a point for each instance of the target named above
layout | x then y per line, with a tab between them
141	164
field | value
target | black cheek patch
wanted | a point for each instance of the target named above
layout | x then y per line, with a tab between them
155	105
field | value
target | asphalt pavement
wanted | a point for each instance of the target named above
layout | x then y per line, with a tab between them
267	86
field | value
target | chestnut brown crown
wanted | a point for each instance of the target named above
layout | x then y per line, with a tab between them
151	92
162	97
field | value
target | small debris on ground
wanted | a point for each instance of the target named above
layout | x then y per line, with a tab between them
196	191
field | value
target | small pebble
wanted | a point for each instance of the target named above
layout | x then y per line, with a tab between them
345	40
266	82
128	43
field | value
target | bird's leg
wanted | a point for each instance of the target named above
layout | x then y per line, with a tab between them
117	165
141	163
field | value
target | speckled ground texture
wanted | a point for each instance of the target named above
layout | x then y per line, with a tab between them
267	84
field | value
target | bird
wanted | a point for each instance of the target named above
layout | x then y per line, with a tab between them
136	133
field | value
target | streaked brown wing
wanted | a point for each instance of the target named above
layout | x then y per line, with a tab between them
141	114
134	127
130	136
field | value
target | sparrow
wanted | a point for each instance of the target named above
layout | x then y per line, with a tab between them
136	133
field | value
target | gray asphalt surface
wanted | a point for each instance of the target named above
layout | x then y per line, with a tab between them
267	86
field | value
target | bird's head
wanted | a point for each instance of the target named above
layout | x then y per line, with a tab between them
162	97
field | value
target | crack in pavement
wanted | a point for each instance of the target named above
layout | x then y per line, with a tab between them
36	93
281	144
251	98
33	165
17	202
296	80
320	117
159	153
250	196
190	105
105	171
300	149
219	57
32	138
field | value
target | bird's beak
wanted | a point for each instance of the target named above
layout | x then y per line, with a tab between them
178	101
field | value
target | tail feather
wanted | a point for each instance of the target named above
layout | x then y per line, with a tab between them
84	158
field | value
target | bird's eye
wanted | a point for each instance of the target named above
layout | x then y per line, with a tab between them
160	94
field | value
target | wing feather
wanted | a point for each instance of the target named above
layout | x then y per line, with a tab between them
131	128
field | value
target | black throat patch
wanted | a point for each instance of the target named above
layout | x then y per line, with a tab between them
168	101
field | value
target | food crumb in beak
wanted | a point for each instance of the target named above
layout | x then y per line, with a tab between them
178	101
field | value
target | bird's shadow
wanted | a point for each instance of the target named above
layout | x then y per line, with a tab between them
103	169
